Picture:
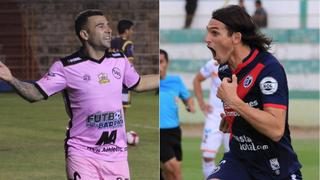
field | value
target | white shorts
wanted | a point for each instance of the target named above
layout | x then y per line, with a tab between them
84	168
212	137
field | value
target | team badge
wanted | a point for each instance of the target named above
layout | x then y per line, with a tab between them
116	73
247	81
268	85
275	165
103	78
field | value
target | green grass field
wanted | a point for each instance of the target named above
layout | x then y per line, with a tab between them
32	138
307	150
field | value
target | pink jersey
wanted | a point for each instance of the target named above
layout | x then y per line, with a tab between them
92	92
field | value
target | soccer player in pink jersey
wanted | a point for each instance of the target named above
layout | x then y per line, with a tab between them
91	80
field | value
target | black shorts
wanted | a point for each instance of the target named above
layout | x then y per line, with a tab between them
231	168
170	144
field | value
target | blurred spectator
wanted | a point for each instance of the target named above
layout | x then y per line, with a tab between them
260	16
241	4
191	6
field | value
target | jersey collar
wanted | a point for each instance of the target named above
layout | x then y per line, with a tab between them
99	61
247	60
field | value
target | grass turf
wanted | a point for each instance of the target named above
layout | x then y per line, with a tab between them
32	138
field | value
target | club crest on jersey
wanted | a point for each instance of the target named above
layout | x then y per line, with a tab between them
275	165
103	78
247	81
268	85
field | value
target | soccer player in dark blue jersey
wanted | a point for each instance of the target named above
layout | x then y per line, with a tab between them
125	45
254	91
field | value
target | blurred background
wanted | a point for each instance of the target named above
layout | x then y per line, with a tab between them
294	27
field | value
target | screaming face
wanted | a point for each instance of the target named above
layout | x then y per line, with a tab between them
219	41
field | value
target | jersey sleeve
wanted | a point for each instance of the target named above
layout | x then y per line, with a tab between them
131	77
273	87
209	68
183	91
128	50
53	81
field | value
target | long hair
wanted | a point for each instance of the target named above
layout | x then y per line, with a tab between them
238	20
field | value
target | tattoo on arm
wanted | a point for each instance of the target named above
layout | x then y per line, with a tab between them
26	90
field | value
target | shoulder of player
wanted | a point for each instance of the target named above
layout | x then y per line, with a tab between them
127	44
115	54
72	59
175	78
269	61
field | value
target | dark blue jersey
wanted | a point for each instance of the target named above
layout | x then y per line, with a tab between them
262	83
126	46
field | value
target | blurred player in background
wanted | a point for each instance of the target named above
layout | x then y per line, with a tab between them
124	44
254	91
260	15
212	137
241	3
171	90
91	80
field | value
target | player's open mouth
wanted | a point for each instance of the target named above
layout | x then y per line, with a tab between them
212	51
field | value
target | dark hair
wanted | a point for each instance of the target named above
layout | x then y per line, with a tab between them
238	20
123	25
82	19
258	2
165	54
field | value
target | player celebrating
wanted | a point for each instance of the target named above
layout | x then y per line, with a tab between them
124	44
91	80
212	137
255	95
171	90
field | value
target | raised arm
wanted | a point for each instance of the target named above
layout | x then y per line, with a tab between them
148	83
205	108
26	90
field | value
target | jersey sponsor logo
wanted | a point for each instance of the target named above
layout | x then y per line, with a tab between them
116	73
110	148
74	59
274	163
247	81
246	144
76	175
222	68
48	75
229	111
111	119
86	77
294	177
103	78
107	138
116	54
253	103
121	178
268	85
